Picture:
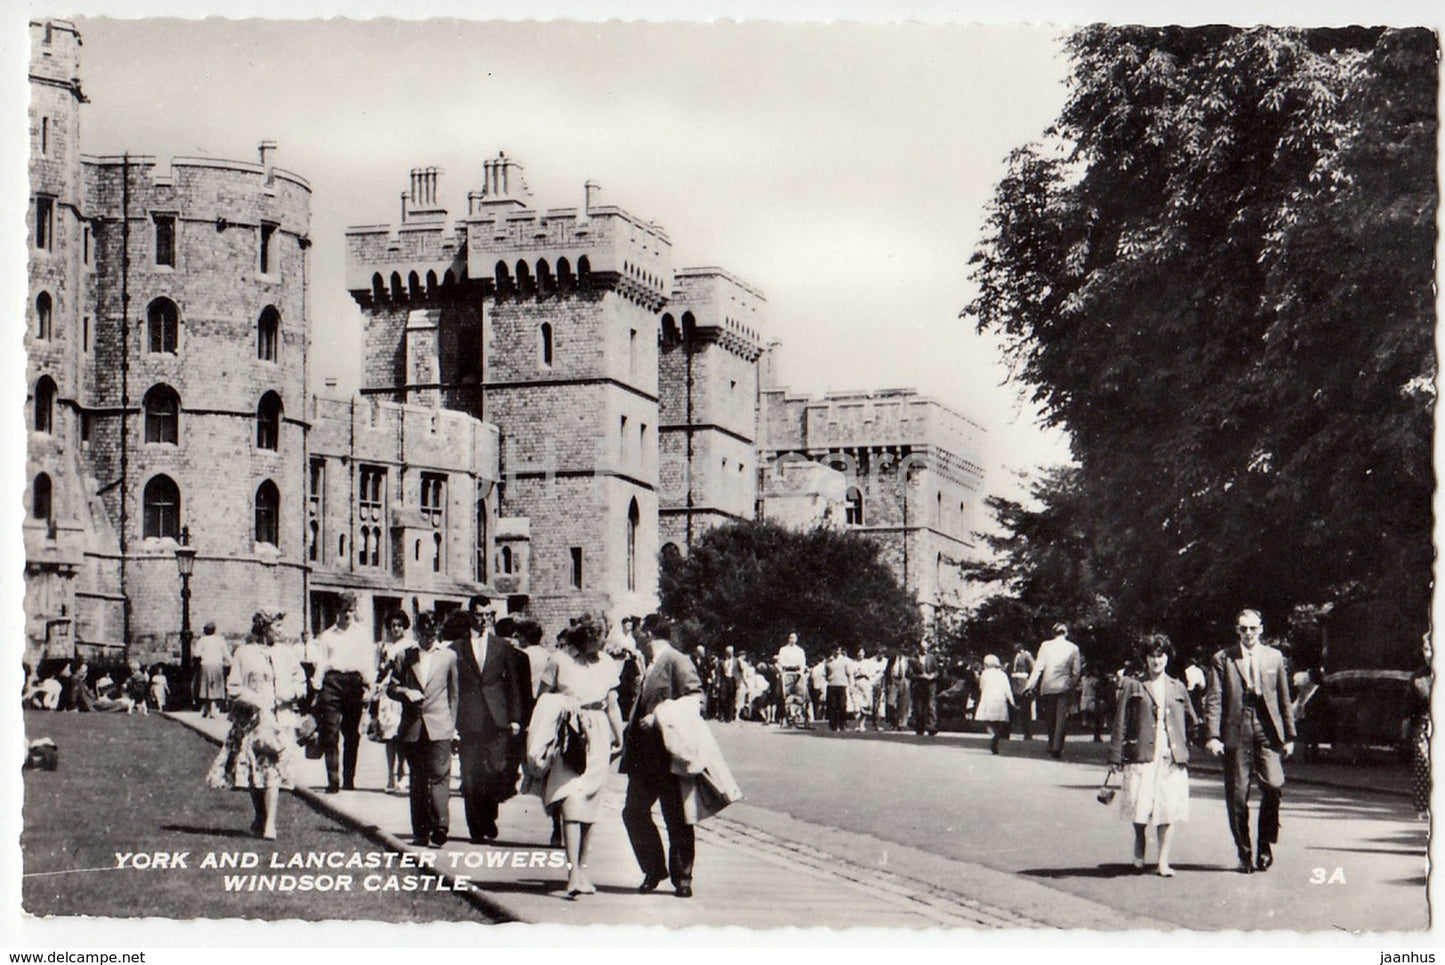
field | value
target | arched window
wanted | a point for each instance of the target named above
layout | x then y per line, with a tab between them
396	290
413	284
378	286
268	334
43	321
161	501
40	498
544	344
564	274
431	281
671	553
162	415
524	278
544	277
507	559
45	404
584	272
503	277
633	519
268	514
268	422
163	323
853	508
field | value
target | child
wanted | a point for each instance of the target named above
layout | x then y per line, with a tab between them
159	687
136	686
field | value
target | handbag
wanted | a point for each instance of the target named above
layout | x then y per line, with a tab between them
308	735
573	743
373	724
1106	793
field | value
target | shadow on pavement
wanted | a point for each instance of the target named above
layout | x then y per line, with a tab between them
1116	870
209	832
1419	882
1395	851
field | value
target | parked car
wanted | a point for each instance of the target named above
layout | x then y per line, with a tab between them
1357	709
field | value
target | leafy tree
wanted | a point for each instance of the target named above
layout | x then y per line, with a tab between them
750	584
1042	568
1218	275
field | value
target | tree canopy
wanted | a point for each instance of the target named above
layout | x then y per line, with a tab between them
750	584
1217	273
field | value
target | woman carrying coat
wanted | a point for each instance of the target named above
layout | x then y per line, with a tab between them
581	672
1151	744
995	701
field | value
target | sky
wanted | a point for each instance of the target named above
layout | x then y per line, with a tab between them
843	170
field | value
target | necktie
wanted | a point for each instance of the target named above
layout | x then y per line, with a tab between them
1252	666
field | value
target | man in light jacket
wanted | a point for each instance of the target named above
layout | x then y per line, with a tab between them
648	765
425	682
1056	673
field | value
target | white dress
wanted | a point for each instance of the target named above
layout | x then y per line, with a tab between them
588	682
1156	792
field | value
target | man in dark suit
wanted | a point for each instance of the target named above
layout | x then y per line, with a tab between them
647	764
1249	719
923	672
492	705
425	681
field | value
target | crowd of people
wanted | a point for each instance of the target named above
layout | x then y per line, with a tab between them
515	715
889	688
553	719
125	687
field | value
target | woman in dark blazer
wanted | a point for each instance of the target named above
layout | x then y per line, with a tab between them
1152	724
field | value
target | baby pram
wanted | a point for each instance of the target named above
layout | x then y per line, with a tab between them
795	698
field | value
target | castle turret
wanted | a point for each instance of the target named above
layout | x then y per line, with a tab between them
708	378
60	525
571	380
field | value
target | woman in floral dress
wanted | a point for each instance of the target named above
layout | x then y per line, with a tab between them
388	711
264	684
583	673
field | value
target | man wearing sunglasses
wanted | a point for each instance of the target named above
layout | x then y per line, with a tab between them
1249	720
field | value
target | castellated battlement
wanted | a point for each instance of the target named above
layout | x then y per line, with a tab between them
722	307
508	248
226	194
396	261
887	418
421	437
54	52
525	253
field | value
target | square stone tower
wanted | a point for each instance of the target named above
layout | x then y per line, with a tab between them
545	324
711	342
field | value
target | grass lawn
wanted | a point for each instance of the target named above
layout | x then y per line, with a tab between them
137	784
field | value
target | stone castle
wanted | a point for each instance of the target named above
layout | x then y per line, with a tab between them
548	405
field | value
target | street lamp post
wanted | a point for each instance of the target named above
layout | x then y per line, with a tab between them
185	564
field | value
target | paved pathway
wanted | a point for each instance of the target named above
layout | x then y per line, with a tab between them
755	869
